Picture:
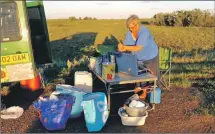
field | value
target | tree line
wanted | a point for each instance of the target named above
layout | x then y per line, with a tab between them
84	18
195	17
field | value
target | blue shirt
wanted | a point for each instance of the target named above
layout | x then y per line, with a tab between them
145	39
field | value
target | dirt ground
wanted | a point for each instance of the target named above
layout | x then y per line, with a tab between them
174	115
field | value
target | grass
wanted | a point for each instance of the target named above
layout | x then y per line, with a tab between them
177	38
193	50
208	104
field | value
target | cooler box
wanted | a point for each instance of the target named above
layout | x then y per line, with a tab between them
77	93
157	94
84	81
95	111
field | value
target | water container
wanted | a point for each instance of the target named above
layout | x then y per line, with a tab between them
84	81
157	94
77	93
98	66
108	71
95	111
105	58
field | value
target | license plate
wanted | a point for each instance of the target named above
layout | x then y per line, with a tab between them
16	58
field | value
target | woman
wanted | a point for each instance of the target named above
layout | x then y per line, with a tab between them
140	41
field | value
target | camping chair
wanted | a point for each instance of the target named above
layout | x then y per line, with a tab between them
165	64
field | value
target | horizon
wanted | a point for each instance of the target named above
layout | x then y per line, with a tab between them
119	9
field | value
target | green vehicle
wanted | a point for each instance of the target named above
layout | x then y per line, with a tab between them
24	39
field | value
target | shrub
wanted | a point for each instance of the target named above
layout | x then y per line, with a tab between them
184	18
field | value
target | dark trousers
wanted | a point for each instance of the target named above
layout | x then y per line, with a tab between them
153	65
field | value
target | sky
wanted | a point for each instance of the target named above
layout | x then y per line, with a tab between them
118	9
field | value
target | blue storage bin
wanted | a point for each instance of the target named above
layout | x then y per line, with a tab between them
54	113
95	111
77	109
127	63
157	94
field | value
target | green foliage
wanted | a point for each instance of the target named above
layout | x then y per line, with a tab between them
72	18
184	18
85	18
208	104
89	18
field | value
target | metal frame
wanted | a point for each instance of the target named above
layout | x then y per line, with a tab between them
164	83
108	85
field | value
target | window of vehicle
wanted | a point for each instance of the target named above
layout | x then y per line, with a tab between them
10	29
35	21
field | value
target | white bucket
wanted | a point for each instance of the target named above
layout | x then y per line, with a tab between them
84	81
132	121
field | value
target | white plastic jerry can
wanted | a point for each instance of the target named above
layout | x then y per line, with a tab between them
84	81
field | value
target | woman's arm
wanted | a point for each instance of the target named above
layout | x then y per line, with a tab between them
133	48
122	48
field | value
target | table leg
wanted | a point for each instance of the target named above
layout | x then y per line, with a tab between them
108	95
154	93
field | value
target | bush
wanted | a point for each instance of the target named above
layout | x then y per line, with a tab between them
89	18
72	18
184	18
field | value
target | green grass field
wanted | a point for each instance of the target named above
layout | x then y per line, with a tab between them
193	49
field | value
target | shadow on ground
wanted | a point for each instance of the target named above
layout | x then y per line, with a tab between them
71	46
75	47
19	96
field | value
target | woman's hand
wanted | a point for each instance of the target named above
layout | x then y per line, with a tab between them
121	47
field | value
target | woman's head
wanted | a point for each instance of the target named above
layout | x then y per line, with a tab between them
133	23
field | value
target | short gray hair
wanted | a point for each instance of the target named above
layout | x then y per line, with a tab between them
131	19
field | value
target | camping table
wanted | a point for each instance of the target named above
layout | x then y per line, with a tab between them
122	78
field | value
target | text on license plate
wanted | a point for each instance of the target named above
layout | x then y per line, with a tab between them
16	58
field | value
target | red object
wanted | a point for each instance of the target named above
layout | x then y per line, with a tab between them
109	76
68	105
32	84
45	120
24	83
144	93
39	114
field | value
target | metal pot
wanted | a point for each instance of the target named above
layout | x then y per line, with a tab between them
136	111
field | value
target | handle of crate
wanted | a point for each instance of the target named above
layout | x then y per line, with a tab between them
39	114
